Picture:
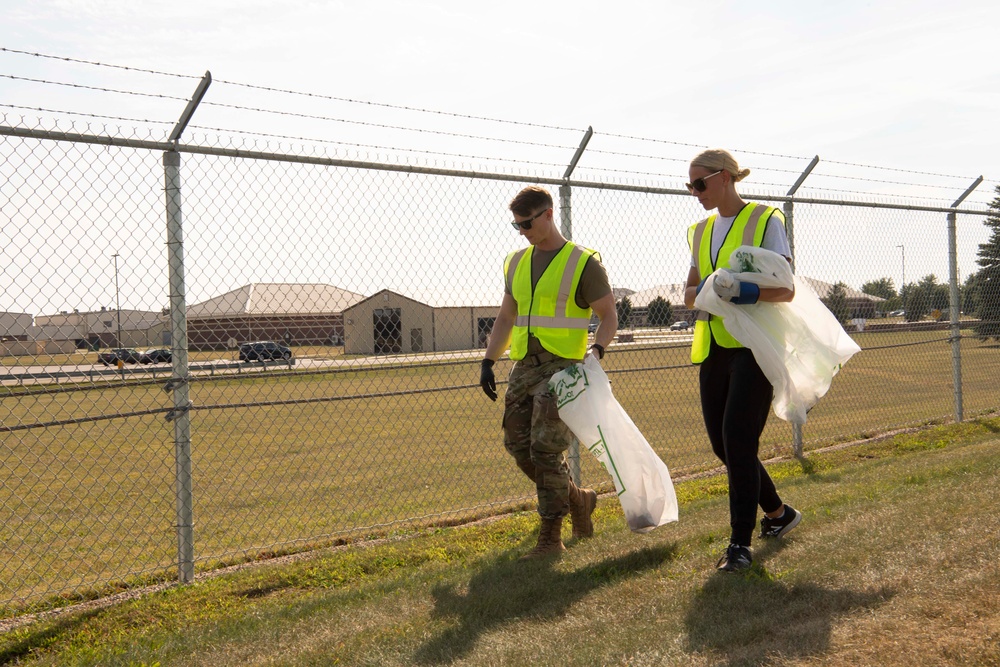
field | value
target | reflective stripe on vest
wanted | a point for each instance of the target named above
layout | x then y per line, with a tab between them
549	311
748	229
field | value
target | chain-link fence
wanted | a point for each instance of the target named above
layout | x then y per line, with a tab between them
374	285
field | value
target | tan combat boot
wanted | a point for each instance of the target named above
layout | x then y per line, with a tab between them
549	540
582	503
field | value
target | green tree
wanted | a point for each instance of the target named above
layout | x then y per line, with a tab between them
917	298
883	287
922	298
836	301
970	293
988	306
624	308
659	313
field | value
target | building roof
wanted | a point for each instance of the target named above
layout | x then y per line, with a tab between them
386	293
674	294
277	299
822	289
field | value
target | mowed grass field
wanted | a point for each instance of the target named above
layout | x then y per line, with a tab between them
893	564
288	461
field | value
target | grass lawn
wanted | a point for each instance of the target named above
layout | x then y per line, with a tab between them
894	564
289	461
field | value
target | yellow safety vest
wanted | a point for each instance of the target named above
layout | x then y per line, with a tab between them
748	229
549	311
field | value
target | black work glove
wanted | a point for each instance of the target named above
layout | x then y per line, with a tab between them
487	380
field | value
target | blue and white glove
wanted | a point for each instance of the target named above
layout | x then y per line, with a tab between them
733	290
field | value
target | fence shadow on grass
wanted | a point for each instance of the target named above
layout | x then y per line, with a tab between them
516	592
750	619
16	646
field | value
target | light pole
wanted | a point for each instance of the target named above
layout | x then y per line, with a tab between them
118	306
903	249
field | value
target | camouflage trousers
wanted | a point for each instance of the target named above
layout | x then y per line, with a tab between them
536	437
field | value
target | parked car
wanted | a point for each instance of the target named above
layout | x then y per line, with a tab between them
897	313
264	350
126	354
680	325
157	356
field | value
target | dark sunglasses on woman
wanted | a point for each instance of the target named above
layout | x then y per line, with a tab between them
698	184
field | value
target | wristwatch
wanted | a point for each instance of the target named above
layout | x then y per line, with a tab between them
600	350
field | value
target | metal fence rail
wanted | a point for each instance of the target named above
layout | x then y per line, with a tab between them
110	480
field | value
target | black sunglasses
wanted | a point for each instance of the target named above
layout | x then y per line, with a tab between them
698	184
526	224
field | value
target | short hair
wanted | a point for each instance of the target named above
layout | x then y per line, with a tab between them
530	199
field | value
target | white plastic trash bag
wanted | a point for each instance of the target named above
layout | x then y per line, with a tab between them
799	345
588	407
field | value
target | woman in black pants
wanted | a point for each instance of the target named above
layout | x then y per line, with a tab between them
735	394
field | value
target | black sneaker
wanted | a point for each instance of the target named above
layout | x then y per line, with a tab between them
736	559
782	525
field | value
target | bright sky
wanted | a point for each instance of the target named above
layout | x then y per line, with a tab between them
911	84
908	85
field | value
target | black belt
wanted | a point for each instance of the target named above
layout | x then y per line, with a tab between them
539	359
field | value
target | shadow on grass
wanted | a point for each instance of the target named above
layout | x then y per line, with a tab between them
991	425
17	645
751	619
514	591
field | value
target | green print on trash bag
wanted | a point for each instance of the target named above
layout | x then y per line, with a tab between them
600	450
742	261
570	386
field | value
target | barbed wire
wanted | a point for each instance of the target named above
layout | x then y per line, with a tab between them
412	109
468	156
384	126
100	89
689	145
885	182
401	107
784	156
869	193
375	146
98	64
905	171
87	115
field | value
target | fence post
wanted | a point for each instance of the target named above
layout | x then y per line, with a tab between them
790	232
566	228
797	445
180	415
955	305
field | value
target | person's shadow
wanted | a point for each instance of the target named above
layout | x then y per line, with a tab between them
750	619
513	591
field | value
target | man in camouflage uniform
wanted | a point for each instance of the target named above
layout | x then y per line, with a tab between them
552	288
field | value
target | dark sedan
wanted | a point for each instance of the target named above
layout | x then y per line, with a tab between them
112	357
158	356
264	350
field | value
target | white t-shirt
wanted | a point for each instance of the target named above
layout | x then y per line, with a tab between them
774	236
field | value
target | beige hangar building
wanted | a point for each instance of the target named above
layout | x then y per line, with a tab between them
390	323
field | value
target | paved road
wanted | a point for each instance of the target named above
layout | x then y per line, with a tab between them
20	375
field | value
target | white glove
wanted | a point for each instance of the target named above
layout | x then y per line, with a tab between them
725	285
